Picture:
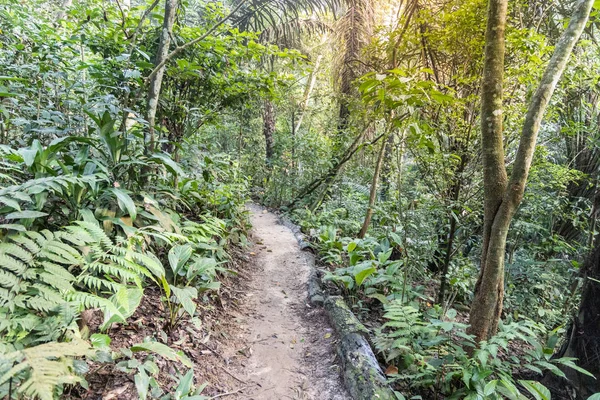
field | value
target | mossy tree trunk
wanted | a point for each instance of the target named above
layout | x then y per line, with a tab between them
502	197
157	79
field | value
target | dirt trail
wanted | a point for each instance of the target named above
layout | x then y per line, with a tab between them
289	343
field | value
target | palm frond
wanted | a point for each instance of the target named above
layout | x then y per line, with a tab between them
282	17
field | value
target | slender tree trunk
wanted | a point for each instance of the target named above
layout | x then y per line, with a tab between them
451	235
157	78
308	91
64	7
373	194
268	130
386	178
502	198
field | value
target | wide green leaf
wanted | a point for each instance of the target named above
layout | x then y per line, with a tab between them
179	256
25	214
164	351
362	272
125	202
539	391
186	297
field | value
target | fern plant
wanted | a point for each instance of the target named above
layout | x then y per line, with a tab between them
431	354
42	273
39	371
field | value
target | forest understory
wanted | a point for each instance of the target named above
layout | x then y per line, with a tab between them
439	161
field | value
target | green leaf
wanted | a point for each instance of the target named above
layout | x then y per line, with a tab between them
142	381
490	387
539	391
399	396
351	246
552	368
126	301
186	297
14	227
10	202
164	351
185	384
568	362
594	397
25	214
362	272
100	341
125	202
167	161
383	299
178	256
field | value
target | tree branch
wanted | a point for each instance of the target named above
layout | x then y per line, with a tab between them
181	48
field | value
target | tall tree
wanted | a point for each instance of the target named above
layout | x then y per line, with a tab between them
502	196
156	79
355	31
268	129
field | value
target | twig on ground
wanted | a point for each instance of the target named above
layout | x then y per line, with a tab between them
233	376
228	393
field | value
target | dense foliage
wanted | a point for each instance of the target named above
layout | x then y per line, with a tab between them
132	133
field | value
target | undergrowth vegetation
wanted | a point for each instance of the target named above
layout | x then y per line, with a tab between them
447	180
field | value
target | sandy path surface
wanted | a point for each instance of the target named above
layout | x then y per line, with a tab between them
290	352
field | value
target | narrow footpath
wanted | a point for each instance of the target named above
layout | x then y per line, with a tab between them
290	353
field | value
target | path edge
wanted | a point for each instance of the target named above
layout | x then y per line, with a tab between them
361	372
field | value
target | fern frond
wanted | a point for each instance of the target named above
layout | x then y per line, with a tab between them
26	242
125	274
16	251
12	265
46	366
96	233
8	280
76	235
96	283
56	281
57	270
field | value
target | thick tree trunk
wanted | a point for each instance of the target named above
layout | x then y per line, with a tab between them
157	78
584	339
502	198
490	285
268	130
373	194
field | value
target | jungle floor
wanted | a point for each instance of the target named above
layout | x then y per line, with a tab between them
258	339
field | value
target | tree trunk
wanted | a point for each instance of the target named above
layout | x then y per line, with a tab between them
386	178
308	91
64	7
501	199
268	130
373	194
357	32
583	336
157	78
